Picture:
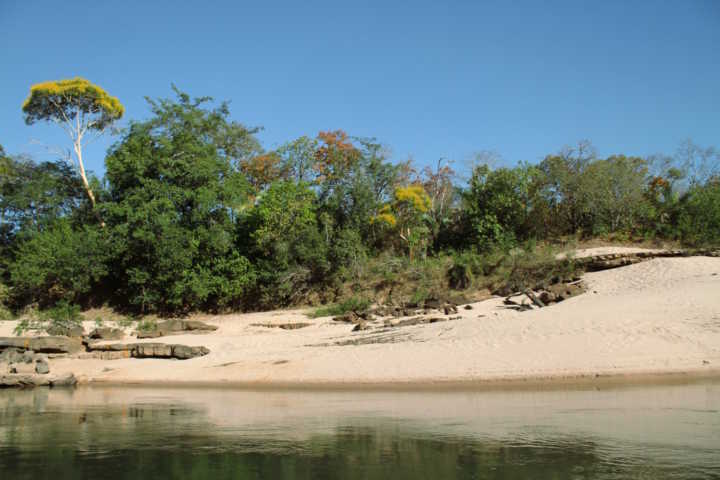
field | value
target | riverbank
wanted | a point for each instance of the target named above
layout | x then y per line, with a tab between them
658	317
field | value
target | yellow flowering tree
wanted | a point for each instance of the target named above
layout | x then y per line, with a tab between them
84	110
407	216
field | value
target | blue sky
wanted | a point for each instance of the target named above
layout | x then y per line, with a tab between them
428	79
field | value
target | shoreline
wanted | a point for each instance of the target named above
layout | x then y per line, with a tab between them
651	321
539	382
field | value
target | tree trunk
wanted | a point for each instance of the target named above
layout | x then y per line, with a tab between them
86	184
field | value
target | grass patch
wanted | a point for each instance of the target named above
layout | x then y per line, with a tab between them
352	304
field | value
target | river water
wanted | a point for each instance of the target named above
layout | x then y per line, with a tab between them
565	432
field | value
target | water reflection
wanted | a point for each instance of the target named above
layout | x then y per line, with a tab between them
670	431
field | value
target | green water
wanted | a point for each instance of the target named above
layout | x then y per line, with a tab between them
654	432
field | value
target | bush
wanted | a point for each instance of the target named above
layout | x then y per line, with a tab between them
63	316
5	313
59	263
699	215
353	304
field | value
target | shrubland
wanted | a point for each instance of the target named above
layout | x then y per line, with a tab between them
192	214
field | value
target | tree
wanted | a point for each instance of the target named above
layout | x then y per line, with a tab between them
438	184
498	204
407	216
616	193
84	110
563	188
59	263
283	238
175	199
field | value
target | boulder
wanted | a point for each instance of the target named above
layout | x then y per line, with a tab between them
11	355
433	303
41	366
349	317
66	380
148	350
360	327
75	331
107	333
34	380
183	352
152	350
283	326
196	325
22	368
564	291
53	344
176	326
13	380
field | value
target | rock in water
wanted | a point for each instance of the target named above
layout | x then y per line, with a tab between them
67	380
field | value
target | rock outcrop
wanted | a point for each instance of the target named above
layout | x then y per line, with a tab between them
76	331
106	333
149	350
283	326
177	327
51	344
23	380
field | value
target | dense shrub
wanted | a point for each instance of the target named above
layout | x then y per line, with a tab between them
59	263
174	199
698	217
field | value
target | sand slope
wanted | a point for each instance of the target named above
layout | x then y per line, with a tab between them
659	316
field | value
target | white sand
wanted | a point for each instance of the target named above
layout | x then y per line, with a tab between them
656	317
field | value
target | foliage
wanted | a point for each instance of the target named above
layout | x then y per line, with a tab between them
5	313
698	217
175	197
32	195
193	214
407	218
285	242
498	205
67	99
80	108
63	315
352	304
61	263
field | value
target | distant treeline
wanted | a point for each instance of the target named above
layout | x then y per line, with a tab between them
192	213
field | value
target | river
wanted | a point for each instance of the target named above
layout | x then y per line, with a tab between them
652	431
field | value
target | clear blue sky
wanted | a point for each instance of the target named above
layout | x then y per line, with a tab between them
429	79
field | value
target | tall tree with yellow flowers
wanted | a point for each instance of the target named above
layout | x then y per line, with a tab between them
84	110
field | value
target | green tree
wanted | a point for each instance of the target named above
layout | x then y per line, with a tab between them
564	187
698	217
59	263
282	235
498	204
616	194
84	110
175	197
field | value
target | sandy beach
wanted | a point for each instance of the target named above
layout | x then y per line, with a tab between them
661	316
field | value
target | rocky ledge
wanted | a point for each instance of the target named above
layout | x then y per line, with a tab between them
176	327
147	350
29	380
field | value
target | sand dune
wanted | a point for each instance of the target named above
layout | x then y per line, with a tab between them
656	317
